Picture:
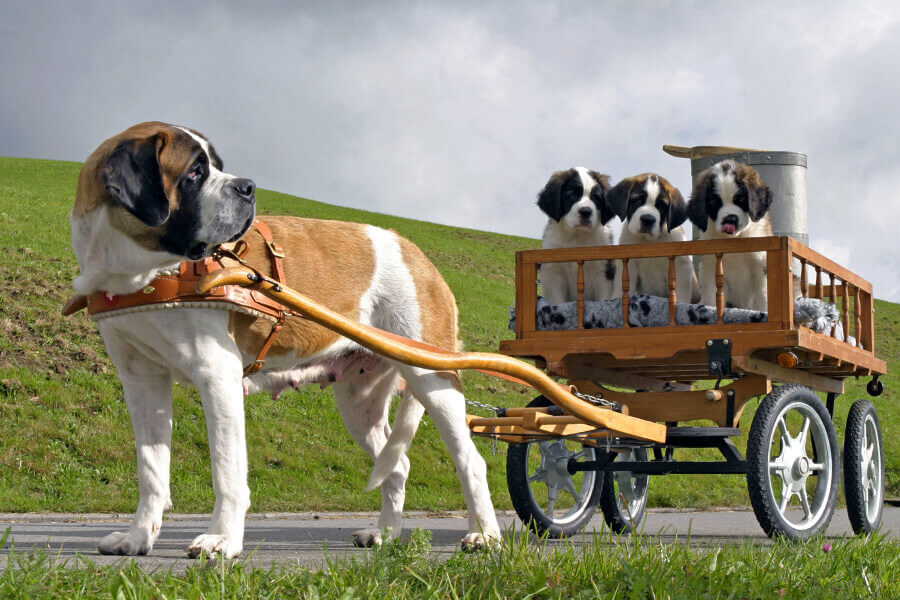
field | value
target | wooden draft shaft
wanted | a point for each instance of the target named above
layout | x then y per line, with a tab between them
391	347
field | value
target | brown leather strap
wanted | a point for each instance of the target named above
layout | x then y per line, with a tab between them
276	253
257	364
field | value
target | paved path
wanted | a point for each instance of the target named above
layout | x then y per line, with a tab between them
291	539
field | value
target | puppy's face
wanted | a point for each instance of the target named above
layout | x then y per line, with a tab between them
728	197
169	192
649	205
575	199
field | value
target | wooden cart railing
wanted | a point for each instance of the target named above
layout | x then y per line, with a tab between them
640	349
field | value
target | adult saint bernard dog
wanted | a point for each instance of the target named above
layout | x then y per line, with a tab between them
730	200
653	210
574	200
155	195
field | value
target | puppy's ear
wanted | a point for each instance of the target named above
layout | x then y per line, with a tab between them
617	198
549	198
677	209
697	208
598	195
760	201
132	177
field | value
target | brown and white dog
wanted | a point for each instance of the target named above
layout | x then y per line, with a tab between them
730	200
155	195
574	200
653	211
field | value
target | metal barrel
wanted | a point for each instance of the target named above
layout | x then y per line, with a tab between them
785	174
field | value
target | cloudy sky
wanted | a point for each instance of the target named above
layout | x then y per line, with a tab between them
458	112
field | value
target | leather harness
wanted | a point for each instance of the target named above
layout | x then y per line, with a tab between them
172	290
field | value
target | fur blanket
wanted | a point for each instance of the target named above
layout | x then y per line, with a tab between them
653	311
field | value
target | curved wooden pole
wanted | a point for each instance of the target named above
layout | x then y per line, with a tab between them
391	347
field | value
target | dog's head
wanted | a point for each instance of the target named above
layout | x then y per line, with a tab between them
165	188
575	198
648	204
731	195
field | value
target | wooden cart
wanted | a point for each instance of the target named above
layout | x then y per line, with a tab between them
560	468
588	442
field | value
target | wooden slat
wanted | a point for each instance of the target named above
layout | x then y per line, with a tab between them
818	282
673	299
802	251
832	297
857	317
845	308
779	373
579	295
720	288
804	286
779	286
730	246
625	298
526	296
868	316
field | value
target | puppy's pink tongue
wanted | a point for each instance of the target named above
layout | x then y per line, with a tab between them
729	228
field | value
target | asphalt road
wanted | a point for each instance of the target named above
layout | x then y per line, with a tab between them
292	539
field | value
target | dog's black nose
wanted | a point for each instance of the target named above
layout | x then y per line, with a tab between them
586	212
730	219
648	220
245	188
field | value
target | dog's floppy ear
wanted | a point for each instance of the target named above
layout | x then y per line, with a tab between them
132	177
617	197
678	211
549	198
697	208
760	201
598	195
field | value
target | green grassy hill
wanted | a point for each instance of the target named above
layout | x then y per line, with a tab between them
65	438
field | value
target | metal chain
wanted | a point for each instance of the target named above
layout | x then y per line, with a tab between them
597	400
477	404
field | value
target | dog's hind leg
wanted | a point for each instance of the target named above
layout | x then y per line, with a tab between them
441	395
362	401
149	400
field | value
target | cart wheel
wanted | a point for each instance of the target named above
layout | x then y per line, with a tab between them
624	496
792	463
546	496
875	387
863	468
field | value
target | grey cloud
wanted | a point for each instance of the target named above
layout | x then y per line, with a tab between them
458	113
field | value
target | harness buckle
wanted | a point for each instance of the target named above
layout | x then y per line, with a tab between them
275	249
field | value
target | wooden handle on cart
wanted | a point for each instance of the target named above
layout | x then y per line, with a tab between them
398	349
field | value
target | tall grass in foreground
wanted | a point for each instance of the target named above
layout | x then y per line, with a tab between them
637	567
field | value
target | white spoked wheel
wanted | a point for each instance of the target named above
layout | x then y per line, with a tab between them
624	496
863	468
792	463
547	496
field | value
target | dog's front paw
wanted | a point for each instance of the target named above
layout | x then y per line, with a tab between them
366	538
126	544
479	541
214	544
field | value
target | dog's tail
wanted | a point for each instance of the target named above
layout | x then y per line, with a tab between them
406	423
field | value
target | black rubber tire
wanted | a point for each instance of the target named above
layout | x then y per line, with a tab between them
523	500
619	520
853	486
758	483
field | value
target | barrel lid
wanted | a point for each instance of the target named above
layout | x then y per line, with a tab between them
703	157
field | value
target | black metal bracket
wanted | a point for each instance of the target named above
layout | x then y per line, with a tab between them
718	357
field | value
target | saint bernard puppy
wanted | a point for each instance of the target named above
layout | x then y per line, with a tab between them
155	195
730	200
653	211
574	201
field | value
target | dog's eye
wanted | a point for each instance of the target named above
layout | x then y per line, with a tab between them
194	173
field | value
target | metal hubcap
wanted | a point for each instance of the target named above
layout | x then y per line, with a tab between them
870	469
632	489
553	472
793	465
